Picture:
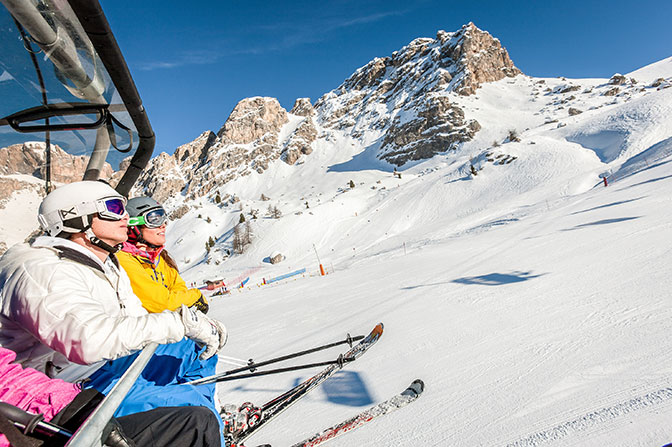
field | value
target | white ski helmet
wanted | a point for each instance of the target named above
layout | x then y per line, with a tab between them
60	209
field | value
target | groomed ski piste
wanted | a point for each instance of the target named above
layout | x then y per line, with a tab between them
533	301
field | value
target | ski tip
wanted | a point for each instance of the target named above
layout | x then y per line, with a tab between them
378	330
415	388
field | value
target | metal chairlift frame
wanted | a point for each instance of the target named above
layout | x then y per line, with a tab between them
97	28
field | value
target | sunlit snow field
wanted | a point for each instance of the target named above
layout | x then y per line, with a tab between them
532	300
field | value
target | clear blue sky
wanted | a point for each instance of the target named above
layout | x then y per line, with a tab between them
194	60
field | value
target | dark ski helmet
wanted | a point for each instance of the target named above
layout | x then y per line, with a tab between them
144	211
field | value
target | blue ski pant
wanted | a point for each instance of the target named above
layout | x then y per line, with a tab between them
158	385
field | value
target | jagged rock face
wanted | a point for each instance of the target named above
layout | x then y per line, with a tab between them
252	119
9	186
247	142
416	81
402	103
300	142
29	158
195	152
167	175
161	180
437	128
480	58
303	107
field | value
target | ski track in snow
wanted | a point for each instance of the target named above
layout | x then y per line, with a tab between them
595	418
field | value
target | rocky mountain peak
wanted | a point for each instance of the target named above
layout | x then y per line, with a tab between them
194	152
414	86
480	58
468	58
248	142
401	103
251	119
303	107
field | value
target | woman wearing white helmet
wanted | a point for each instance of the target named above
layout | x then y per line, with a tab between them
66	306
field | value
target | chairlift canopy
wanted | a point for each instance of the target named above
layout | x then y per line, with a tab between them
64	81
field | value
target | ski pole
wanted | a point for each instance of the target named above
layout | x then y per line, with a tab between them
207	380
252	366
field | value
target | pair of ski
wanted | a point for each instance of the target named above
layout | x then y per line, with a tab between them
273	408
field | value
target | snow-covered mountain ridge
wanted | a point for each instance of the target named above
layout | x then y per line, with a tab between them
399	107
539	140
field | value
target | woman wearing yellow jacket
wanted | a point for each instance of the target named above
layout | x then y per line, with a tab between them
152	271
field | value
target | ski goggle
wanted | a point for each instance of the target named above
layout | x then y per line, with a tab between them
151	219
113	208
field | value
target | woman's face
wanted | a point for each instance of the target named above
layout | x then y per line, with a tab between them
155	236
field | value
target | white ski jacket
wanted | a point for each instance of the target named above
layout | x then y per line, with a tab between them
61	307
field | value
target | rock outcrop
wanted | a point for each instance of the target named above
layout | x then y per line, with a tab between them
29	158
415	84
404	104
303	107
437	128
478	57
248	142
253	119
300	142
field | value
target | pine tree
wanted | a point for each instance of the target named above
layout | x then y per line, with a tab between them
242	218
238	241
247	234
274	212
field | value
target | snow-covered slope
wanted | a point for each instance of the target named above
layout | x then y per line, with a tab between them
531	299
537	321
609	133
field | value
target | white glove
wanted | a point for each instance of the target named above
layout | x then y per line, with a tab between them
204	331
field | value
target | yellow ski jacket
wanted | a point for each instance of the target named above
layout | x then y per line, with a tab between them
159	286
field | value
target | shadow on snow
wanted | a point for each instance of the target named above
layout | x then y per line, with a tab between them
365	160
343	388
496	279
602	222
607	205
347	388
651	180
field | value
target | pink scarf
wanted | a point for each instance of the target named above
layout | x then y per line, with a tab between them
152	255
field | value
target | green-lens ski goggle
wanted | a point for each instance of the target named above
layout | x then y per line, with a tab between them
152	219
